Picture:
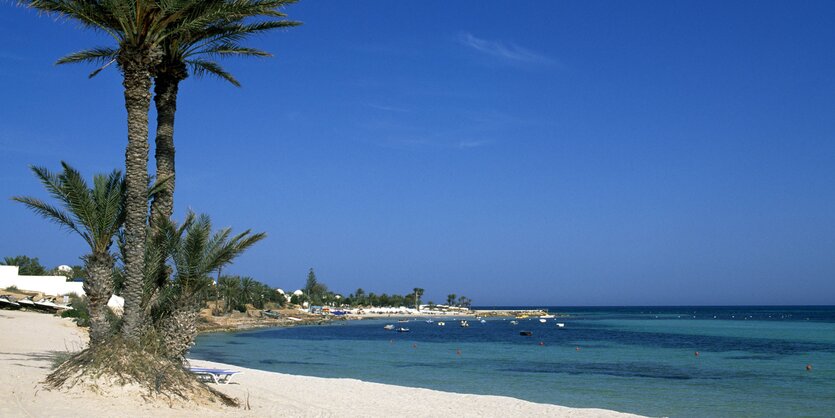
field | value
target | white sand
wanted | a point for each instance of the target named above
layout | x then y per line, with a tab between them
28	341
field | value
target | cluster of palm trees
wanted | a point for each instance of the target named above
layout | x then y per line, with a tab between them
163	267
236	292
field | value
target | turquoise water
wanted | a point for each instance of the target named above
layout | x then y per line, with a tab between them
751	360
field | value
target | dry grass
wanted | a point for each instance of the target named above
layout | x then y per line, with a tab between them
117	367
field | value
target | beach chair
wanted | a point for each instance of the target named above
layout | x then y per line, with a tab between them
218	376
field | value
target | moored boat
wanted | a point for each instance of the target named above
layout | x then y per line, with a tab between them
560	325
389	327
464	323
402	329
441	323
525	333
26	302
6	302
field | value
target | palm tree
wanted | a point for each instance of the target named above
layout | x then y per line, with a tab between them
230	289
418	293
95	214
187	51
138	27
195	254
141	29
450	299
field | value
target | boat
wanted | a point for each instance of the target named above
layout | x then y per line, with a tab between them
389	327
543	320
46	305
464	323
514	322
483	321
271	314
6	302
525	333
547	316
401	329
429	321
26	302
402	320
560	325
441	323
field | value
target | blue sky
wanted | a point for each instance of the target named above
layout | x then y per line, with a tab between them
539	152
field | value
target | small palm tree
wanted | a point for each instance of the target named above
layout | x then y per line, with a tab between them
196	252
95	214
418	293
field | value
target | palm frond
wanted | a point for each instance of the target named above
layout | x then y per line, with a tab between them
202	68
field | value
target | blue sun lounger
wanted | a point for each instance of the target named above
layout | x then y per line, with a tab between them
219	376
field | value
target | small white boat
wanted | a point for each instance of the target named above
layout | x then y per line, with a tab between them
560	325
429	321
7	303
543	320
46	304
441	323
401	329
483	321
26	302
402	320
389	327
293	318
547	316
514	322
464	324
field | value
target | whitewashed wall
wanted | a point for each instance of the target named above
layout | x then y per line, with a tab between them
49	285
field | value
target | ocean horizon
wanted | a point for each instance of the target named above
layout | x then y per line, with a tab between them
651	360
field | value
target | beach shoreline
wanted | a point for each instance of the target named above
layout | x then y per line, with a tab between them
31	341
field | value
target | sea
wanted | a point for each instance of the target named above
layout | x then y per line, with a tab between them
688	361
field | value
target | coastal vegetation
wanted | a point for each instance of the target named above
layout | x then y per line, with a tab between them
163	268
28	266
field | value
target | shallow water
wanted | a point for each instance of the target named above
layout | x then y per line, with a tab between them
751	360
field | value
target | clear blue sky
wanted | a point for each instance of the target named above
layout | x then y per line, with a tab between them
535	152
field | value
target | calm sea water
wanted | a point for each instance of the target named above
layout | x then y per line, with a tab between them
752	360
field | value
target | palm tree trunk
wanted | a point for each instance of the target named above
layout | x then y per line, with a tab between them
166	86
179	328
99	287
136	64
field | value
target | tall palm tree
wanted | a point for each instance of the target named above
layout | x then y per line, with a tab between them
195	254
140	28
194	50
95	214
189	51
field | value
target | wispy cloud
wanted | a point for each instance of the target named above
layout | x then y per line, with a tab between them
506	51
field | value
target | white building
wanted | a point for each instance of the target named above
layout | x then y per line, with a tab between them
48	285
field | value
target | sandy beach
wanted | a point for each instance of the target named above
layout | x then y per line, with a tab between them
30	341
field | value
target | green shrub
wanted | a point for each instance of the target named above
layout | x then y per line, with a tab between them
79	311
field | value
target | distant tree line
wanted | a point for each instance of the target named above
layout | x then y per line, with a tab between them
317	293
